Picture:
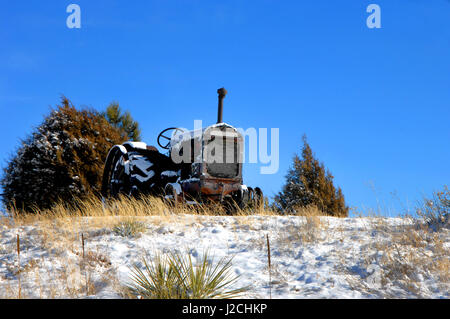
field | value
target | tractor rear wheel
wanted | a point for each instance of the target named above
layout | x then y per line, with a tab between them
116	179
129	172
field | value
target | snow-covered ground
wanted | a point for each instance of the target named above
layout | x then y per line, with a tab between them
311	257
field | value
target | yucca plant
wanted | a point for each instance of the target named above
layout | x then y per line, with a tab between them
158	280
129	228
175	276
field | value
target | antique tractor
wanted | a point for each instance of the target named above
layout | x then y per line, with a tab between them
201	165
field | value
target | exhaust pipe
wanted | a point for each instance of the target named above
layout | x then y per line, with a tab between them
222	93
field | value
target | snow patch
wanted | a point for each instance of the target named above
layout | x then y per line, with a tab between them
137	145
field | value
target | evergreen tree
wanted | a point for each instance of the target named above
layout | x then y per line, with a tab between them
308	183
62	159
123	121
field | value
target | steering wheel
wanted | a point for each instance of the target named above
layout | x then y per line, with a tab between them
165	136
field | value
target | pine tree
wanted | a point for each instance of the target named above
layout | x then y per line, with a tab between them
123	121
62	159
308	183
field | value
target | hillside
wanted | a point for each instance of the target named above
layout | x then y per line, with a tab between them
311	257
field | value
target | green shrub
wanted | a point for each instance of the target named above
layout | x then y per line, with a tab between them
128	127
308	183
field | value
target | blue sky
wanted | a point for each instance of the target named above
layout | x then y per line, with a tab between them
374	103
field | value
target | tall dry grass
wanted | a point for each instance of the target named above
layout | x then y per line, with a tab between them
125	206
435	211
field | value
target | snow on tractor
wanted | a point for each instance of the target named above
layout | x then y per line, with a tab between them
200	166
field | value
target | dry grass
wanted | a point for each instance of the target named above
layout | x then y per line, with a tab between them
308	230
402	260
435	211
124	206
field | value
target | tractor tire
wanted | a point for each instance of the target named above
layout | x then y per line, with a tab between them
115	175
130	172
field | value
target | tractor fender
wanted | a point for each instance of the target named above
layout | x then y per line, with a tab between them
135	146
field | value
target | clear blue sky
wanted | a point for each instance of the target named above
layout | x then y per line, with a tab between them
374	103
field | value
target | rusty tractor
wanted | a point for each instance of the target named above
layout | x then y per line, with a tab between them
200	166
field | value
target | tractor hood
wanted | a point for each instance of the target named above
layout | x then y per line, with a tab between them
224	129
